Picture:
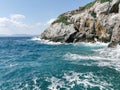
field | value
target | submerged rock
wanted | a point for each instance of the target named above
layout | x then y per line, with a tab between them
97	20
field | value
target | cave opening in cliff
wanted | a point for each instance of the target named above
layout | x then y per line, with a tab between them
115	8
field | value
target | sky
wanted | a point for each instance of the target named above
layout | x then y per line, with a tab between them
32	16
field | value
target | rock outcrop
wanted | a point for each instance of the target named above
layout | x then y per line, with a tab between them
98	20
58	32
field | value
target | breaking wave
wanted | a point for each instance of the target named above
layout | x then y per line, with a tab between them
91	44
43	41
72	79
102	57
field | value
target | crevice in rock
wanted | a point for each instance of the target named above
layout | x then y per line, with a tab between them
115	8
71	37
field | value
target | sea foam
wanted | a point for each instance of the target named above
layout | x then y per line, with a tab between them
103	57
70	79
101	44
113	55
43	41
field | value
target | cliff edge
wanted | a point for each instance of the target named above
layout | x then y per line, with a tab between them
97	21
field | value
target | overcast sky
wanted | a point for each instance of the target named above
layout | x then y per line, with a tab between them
32	16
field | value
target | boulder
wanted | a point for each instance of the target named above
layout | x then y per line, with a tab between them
58	32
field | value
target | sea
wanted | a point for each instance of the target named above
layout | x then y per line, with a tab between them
29	63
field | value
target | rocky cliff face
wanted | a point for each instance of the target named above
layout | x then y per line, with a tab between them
99	20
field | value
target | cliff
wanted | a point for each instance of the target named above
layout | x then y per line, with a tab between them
97	21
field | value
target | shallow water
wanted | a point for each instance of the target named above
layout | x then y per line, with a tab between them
28	64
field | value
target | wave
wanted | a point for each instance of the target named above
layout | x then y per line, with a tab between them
75	44
100	61
36	39
103	57
90	44
114	57
113	53
70	56
70	79
29	84
43	41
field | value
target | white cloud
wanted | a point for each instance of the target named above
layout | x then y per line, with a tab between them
51	21
17	16
14	25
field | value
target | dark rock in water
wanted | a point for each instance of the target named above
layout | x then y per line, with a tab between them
115	36
95	20
71	37
112	44
79	37
58	39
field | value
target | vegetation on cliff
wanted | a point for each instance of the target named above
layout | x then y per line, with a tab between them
62	19
95	21
102	1
87	6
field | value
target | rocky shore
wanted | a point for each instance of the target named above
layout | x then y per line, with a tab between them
97	21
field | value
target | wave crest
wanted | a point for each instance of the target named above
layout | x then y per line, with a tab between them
98	44
70	79
103	57
43	41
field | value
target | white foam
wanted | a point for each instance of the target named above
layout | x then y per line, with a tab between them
36	39
114	57
43	41
92	44
71	79
35	80
70	56
104	57
36	87
26	85
12	65
113	53
75	44
56	83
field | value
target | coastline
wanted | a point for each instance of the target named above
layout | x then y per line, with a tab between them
87	25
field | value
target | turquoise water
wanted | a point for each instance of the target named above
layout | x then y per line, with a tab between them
26	64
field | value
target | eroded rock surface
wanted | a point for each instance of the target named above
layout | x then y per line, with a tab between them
95	21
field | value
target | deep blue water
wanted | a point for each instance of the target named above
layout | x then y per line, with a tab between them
26	64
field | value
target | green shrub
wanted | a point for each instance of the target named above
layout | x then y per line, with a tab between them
63	19
93	14
87	6
102	1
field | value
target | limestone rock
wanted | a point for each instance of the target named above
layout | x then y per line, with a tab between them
96	20
115	36
58	32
